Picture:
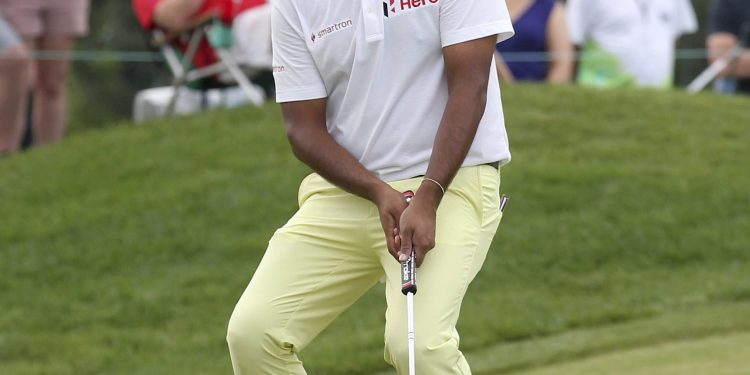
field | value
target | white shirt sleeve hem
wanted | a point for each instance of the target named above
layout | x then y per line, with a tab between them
306	93
503	29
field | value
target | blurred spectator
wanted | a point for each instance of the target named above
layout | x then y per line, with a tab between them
729	25
540	28
252	37
175	15
14	69
48	25
250	20
628	42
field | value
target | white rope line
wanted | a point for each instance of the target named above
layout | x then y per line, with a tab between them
93	55
150	56
681	54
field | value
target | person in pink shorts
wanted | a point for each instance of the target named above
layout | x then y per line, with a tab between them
47	25
14	62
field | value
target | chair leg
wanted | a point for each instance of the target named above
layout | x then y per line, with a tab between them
179	67
255	94
173	100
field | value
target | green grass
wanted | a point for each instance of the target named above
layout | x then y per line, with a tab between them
123	251
554	353
722	355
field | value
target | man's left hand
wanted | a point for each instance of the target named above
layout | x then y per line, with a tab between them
417	224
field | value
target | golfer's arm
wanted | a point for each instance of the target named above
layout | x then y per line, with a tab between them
468	68
305	123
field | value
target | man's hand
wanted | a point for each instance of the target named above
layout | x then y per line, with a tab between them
391	205
417	223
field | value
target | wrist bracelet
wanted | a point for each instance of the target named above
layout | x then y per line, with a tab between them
436	183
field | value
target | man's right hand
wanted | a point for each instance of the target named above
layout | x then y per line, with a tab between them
391	205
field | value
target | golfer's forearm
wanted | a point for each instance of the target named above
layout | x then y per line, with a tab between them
467	69
454	137
316	148
305	124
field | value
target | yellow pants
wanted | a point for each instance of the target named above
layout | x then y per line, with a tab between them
333	250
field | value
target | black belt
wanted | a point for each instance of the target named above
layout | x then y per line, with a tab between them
494	164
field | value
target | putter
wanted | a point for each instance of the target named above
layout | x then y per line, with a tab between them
409	288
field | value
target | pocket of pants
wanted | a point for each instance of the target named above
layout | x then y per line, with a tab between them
489	185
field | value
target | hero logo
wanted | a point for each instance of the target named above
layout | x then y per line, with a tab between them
394	7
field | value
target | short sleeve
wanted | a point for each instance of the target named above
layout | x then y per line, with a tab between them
724	18
294	70
684	21
465	20
578	20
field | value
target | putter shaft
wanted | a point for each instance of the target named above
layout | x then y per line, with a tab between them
410	331
409	288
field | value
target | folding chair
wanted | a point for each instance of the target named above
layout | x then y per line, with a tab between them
198	55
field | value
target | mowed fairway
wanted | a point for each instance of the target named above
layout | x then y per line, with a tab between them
123	250
721	355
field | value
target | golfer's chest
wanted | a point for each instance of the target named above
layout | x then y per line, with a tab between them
368	31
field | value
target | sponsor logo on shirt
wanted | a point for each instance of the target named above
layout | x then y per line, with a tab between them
332	29
394	7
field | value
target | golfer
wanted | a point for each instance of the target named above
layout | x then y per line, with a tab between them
380	97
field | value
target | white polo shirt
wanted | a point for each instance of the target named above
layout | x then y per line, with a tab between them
380	64
632	41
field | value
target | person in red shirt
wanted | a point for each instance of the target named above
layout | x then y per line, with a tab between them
178	15
250	17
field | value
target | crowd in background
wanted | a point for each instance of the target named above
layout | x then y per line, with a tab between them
628	43
596	43
29	25
728	38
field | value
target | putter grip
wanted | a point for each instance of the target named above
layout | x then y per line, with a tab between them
409	268
409	275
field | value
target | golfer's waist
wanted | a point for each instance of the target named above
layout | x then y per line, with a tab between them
494	164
